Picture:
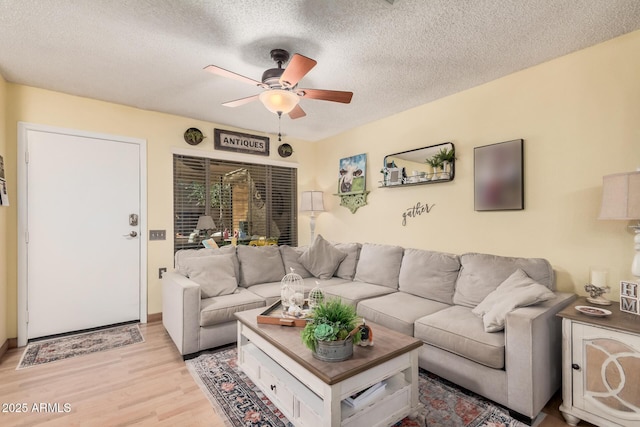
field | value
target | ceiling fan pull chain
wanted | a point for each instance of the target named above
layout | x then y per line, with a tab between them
279	123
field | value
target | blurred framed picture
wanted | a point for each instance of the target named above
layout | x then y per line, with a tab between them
499	177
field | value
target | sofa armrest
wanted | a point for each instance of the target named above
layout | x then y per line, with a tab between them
181	311
533	354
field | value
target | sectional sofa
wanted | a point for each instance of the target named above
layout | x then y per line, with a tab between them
448	301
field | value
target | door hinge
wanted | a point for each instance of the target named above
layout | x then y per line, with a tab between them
26	236
27	316
26	157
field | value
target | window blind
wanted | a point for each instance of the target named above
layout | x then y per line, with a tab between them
244	199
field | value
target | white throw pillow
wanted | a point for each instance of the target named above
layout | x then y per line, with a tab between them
322	258
518	290
215	274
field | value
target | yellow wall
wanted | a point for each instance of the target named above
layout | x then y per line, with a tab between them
162	133
579	117
4	214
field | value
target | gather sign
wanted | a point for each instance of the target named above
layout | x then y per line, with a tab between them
240	142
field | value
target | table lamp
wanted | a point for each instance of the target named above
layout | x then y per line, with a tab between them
206	223
621	201
312	201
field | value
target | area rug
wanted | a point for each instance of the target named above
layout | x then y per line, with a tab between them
47	351
240	403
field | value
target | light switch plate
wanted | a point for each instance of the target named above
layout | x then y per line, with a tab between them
157	234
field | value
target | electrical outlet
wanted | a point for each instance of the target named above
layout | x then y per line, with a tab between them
157	234
160	271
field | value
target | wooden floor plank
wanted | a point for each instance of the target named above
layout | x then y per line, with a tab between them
145	384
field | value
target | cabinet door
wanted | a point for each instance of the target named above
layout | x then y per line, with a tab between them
606	380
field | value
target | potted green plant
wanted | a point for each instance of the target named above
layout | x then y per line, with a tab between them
447	156
435	162
332	331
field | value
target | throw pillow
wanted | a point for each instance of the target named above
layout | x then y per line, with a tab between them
215	274
260	264
322	258
518	290
184	254
291	259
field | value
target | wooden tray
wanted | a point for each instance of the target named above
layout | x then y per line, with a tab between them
273	316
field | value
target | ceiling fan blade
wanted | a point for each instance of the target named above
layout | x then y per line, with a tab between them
327	95
231	75
298	67
297	112
241	101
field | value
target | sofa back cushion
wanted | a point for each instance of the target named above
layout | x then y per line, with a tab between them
290	258
260	264
347	268
184	254
429	274
481	274
379	265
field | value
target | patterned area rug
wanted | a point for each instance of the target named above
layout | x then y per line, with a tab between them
240	403
46	351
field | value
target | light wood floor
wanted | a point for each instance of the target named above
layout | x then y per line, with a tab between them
142	384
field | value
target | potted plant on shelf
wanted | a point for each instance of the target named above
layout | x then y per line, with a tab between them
332	331
447	156
435	162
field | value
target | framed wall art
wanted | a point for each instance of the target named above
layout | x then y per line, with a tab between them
499	176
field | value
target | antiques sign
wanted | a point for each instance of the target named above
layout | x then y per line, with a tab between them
415	211
240	142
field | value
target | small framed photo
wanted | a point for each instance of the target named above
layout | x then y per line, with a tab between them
498	176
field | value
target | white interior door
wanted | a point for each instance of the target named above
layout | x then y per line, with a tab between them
83	255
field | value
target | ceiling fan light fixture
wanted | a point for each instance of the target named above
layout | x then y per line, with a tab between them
279	100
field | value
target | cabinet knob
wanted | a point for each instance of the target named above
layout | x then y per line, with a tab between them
575	366
273	387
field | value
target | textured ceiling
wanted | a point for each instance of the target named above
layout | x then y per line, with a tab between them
150	54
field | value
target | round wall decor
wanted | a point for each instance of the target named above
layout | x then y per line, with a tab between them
193	136
285	150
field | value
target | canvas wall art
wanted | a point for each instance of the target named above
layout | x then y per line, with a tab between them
352	173
498	176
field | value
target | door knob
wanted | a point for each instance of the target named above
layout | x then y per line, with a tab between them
132	234
575	366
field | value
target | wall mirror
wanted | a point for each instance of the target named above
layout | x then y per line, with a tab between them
426	165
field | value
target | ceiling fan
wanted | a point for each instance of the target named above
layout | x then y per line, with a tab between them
282	94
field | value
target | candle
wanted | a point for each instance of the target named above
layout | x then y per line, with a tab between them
599	278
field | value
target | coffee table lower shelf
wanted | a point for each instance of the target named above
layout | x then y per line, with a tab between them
306	400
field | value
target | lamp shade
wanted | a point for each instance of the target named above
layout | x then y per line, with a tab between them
279	100
205	222
311	201
621	196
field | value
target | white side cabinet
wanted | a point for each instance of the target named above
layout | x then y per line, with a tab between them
601	367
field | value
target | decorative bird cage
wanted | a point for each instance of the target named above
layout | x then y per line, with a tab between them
292	291
316	296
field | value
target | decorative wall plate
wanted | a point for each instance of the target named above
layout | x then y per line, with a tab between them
592	311
193	136
285	150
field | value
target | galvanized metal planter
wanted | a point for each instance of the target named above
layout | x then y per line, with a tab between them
334	351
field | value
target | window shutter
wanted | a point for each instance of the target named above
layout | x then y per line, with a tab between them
250	199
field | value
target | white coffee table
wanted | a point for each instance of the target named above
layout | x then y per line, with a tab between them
310	392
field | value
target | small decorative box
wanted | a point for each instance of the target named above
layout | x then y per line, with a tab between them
629	298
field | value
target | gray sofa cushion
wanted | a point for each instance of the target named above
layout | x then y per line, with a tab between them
347	268
480	274
354	292
322	258
457	330
184	254
218	310
216	275
385	310
290	258
379	265
260	264
429	274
